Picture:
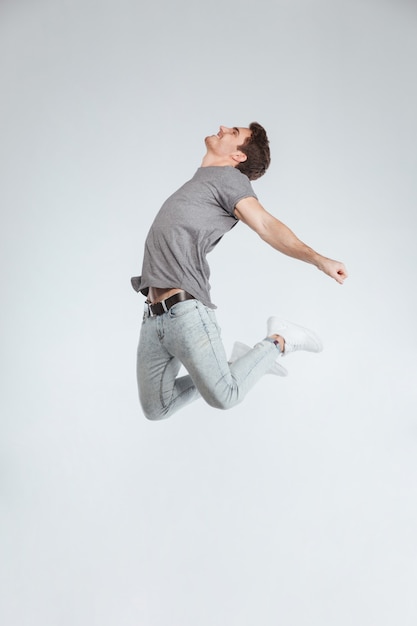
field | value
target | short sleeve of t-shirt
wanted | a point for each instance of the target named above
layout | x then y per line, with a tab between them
233	187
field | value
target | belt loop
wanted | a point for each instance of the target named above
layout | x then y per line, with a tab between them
148	310
164	306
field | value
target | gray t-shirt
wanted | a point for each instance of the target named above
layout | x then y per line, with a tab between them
188	226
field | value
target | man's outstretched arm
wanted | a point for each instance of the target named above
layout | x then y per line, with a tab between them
280	237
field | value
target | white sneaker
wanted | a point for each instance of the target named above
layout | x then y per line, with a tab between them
296	337
240	349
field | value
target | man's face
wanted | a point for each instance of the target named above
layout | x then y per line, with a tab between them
227	140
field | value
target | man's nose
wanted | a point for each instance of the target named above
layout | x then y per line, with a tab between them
225	129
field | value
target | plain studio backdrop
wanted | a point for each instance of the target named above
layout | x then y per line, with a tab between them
299	506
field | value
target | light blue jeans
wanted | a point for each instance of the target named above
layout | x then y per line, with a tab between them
188	334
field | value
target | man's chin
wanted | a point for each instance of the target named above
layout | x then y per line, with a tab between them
210	138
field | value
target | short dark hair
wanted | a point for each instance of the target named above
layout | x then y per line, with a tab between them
256	148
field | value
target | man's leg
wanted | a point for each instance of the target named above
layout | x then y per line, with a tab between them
191	334
161	393
188	333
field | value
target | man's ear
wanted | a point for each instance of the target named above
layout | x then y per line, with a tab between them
239	157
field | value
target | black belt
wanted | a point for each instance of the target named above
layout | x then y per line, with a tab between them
159	308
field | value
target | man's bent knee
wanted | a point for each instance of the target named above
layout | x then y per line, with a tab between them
154	414
223	402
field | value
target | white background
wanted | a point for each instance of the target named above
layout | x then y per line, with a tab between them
298	507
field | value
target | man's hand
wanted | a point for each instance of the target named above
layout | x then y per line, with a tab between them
334	269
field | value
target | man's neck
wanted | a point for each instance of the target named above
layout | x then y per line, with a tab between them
211	160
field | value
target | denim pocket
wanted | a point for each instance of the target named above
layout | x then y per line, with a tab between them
182	308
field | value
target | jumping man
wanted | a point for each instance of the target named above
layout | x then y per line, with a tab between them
179	323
